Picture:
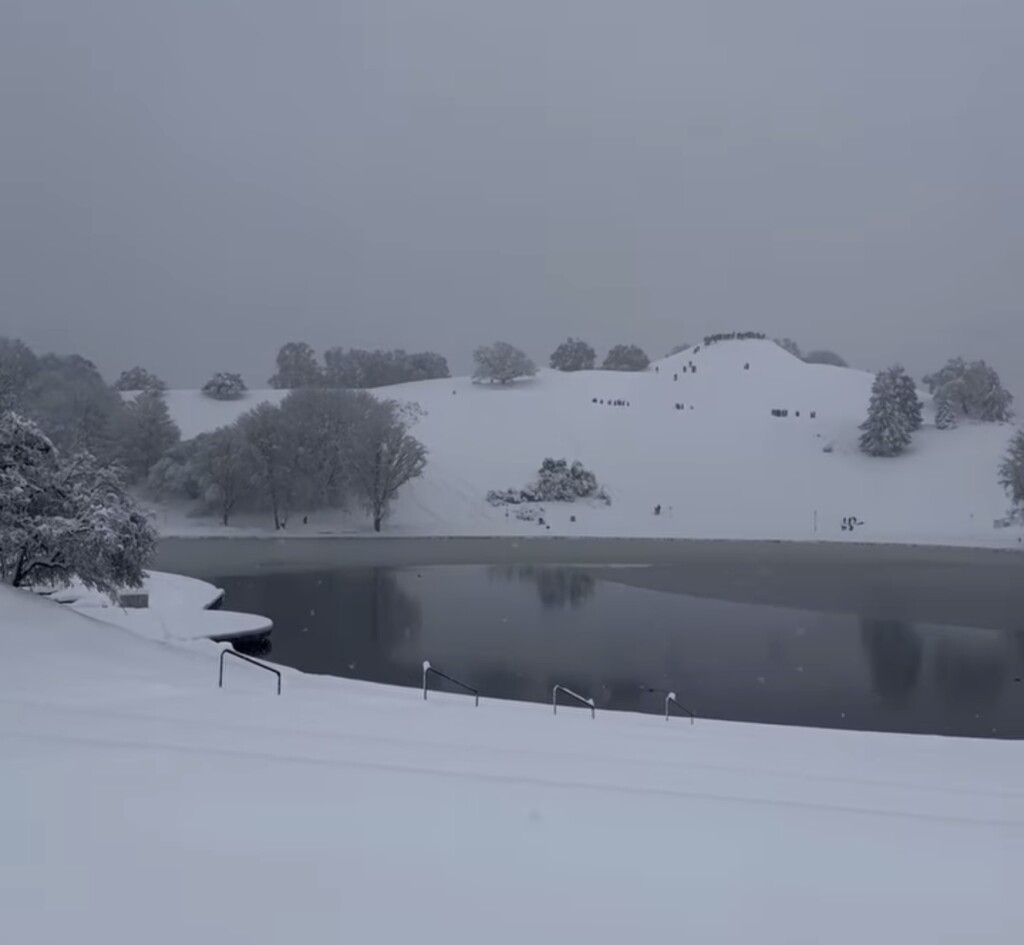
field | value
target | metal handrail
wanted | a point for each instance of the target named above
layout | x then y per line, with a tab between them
428	669
589	703
227	651
670	700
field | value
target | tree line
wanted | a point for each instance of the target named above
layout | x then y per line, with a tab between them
353	369
320	448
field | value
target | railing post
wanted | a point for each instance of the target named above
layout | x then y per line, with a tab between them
426	669
669	698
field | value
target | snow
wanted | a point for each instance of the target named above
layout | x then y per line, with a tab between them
141	803
177	610
166	592
721	468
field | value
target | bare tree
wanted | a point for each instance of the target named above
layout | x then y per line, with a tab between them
272	451
384	457
223	464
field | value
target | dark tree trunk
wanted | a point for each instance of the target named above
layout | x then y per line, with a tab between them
376	523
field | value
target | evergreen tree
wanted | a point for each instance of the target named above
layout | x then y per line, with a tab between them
146	433
906	395
945	415
573	354
1011	471
887	429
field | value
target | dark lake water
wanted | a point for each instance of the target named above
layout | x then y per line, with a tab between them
514	631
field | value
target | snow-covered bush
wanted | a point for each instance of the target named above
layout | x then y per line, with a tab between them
138	378
626	358
573	354
64	518
556	481
788	344
971	390
734	336
501	362
225	386
825	357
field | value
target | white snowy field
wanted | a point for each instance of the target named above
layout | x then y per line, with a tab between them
142	804
723	467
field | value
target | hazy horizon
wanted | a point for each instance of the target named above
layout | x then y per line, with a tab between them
188	186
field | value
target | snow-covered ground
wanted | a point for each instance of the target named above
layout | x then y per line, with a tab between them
165	592
176	610
723	467
142	804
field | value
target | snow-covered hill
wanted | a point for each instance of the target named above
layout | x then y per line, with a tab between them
723	466
142	804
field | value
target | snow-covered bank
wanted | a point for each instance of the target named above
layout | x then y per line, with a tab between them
721	467
142	804
166	592
178	609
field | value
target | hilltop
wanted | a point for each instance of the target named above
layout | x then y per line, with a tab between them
722	466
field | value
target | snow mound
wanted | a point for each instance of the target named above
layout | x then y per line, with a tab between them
698	434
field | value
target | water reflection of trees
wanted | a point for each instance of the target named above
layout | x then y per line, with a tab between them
894	654
557	588
970	670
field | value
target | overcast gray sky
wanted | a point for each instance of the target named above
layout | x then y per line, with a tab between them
187	184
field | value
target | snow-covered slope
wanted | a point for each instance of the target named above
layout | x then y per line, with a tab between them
141	803
721	467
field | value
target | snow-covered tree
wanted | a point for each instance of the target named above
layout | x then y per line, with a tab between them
426	366
906	396
225	386
62	519
989	399
296	367
954	368
502	362
145	433
384	457
77	409
325	425
825	357
18	365
272	448
887	429
626	358
138	378
788	344
223	466
573	354
1011	471
945	414
175	475
972	389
